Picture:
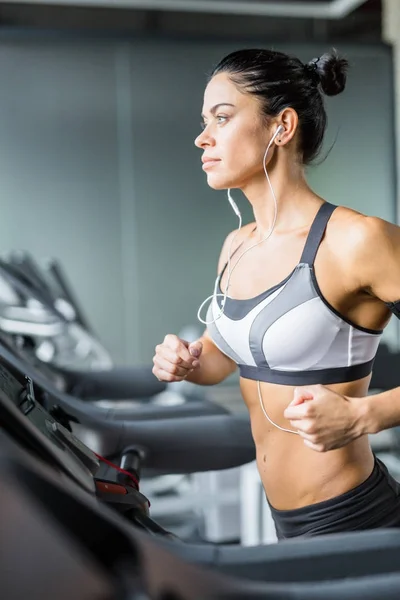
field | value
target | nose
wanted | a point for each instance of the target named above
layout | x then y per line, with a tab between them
204	139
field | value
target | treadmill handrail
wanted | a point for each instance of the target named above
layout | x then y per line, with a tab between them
181	444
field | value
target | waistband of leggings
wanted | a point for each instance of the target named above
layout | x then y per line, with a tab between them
371	480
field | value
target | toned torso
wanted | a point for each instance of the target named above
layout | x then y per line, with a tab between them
294	475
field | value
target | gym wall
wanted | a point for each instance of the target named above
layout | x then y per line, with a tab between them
98	169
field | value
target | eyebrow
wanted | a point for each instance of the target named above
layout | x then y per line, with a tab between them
215	108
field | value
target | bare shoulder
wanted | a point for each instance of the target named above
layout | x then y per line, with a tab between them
359	235
232	242
362	244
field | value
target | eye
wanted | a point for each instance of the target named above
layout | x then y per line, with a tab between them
219	118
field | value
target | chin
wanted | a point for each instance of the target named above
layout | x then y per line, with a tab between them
217	186
220	183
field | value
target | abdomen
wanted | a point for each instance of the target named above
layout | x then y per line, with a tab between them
292	474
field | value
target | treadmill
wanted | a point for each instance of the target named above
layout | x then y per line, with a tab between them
66	533
51	340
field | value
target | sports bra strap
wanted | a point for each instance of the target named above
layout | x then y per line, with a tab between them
316	233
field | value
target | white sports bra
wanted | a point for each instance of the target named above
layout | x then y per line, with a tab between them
290	334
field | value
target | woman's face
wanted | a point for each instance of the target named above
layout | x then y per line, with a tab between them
235	135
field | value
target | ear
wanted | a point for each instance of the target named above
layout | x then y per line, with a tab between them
289	121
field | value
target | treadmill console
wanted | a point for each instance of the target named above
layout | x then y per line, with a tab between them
43	434
22	415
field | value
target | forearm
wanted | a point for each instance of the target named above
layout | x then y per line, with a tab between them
214	365
378	412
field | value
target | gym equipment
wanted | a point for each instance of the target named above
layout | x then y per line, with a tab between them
127	392
37	315
73	344
67	533
106	429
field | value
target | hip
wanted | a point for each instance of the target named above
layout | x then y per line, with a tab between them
374	503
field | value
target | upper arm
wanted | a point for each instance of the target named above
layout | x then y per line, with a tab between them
223	363
378	258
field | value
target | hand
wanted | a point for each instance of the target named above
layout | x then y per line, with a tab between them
325	420
175	358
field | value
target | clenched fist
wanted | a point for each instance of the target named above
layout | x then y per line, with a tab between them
175	358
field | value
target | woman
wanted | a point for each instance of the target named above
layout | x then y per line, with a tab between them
300	302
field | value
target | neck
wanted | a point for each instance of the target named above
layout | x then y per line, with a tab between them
295	200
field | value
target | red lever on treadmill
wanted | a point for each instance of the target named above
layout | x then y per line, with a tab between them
110	488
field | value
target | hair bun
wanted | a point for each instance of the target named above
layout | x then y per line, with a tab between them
331	71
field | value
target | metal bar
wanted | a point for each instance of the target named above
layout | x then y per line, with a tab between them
337	9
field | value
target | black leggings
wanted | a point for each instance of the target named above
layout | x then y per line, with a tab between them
374	503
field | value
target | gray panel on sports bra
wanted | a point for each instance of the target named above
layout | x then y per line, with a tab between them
218	339
298	289
238	309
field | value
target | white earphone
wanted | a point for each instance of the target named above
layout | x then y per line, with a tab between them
230	271
237	212
280	128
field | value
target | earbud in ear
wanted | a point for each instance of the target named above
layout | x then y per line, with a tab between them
271	141
277	132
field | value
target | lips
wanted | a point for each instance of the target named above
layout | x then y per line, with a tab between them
205	159
209	162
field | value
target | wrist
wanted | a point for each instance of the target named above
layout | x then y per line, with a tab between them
365	418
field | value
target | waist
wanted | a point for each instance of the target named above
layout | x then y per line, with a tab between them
357	508
294	476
